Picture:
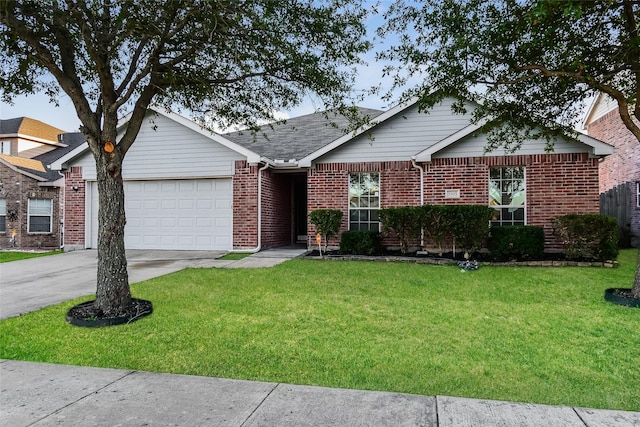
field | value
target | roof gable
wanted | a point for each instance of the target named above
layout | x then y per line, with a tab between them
77	152
477	142
28	128
28	167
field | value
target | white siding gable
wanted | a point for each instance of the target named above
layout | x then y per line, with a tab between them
602	104
474	146
400	137
165	149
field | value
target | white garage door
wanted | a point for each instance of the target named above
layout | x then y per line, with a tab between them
174	214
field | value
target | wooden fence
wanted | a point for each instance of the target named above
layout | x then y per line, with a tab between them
616	202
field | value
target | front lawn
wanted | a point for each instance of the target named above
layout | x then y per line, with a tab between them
7	256
542	335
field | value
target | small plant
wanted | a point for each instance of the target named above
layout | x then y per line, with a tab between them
588	236
360	243
326	222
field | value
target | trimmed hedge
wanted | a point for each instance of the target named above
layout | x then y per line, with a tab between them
592	236
518	242
360	243
404	221
466	225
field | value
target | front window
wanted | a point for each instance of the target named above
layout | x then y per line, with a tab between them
40	215
5	147
364	201
507	195
3	215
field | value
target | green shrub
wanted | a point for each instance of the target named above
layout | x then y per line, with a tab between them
592	236
404	222
360	243
519	242
435	224
469	225
326	222
466	225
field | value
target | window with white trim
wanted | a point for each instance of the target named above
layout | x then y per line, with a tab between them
507	195
40	215
364	201
3	215
638	194
5	147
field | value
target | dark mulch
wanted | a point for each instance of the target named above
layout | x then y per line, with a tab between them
86	314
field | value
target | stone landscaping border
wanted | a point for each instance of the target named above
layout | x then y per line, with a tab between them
448	261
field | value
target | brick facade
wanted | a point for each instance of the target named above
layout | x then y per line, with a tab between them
245	205
74	215
277	210
556	184
17	189
622	167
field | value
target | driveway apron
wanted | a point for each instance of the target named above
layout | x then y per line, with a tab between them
31	284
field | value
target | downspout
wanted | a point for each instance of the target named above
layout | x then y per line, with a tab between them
259	246
415	166
64	214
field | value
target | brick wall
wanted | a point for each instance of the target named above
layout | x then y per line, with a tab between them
557	184
328	188
74	212
245	206
277	210
623	165
17	189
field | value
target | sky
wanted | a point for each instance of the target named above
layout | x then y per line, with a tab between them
63	116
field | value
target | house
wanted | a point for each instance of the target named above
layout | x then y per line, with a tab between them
619	172
31	201
189	188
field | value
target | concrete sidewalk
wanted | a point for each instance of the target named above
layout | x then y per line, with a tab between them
37	394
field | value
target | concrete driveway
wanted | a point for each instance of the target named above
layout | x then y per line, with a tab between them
34	283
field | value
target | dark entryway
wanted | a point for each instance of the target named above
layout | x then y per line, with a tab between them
300	208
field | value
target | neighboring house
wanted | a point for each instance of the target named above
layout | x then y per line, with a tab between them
619	172
31	200
188	188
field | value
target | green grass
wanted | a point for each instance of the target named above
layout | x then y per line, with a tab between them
234	256
542	335
7	256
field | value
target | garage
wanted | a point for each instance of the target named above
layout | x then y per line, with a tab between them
189	214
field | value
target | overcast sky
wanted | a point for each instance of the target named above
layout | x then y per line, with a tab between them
38	107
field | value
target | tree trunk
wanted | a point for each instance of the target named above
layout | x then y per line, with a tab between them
113	295
636	283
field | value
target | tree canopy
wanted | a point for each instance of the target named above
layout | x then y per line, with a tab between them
238	61
525	62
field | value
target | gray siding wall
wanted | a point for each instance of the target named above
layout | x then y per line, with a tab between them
171	151
400	137
474	145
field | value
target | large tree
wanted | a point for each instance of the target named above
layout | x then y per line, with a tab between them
523	62
237	61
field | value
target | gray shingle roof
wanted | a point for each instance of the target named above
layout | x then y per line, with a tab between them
10	126
298	137
72	140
